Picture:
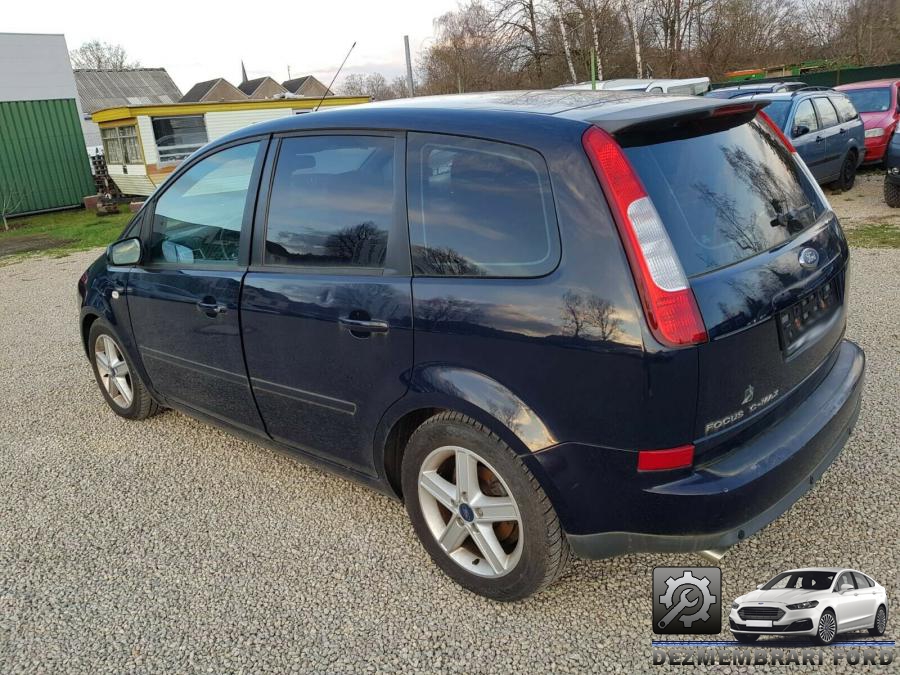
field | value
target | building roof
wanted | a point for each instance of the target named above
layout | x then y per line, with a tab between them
119	113
297	83
98	89
198	91
250	86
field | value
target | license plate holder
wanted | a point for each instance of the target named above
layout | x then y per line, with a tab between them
795	323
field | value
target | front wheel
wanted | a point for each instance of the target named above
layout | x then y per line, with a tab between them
478	511
880	622
827	630
119	382
892	194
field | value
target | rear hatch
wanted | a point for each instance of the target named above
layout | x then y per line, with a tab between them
765	259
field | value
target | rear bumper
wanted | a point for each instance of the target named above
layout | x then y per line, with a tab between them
607	508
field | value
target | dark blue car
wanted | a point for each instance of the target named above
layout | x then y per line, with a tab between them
549	322
825	129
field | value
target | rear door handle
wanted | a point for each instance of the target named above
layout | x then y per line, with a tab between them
364	326
212	308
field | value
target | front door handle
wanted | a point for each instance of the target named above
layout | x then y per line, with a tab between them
211	308
364	326
819	139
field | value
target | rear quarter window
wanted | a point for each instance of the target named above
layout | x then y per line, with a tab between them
845	108
479	208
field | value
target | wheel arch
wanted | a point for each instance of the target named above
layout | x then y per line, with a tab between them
440	388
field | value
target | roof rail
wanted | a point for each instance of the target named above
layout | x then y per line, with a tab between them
802	89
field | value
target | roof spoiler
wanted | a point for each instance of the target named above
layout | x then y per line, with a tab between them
686	115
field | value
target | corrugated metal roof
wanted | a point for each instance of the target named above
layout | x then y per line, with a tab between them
99	89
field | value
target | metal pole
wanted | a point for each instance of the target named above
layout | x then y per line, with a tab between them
409	77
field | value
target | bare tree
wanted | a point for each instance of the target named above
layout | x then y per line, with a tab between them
12	197
374	85
97	55
560	11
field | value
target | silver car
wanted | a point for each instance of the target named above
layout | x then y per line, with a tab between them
817	601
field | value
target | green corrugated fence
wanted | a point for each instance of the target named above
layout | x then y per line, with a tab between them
829	78
43	160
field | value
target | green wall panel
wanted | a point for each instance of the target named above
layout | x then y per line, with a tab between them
42	154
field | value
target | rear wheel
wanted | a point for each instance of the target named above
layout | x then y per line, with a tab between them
892	194
479	512
746	638
880	622
119	382
827	630
847	177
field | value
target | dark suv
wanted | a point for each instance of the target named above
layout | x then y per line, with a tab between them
557	321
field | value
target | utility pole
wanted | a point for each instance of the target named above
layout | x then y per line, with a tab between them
409	77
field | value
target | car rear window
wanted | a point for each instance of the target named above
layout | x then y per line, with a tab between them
778	111
725	196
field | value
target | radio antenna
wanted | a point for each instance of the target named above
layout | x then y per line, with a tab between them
335	77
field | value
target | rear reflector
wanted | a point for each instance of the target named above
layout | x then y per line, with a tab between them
671	458
666	296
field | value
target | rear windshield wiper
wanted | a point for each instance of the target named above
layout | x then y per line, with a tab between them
793	220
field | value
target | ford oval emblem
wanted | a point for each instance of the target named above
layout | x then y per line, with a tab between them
809	258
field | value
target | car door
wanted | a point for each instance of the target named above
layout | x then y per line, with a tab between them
183	298
867	592
849	606
834	139
805	137
326	308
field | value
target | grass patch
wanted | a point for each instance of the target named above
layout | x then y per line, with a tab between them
874	235
62	231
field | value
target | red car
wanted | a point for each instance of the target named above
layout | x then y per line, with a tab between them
878	106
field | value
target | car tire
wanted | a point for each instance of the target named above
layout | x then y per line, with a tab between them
119	382
826	630
504	559
892	194
847	176
746	638
880	622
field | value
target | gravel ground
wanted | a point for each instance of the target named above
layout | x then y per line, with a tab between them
170	546
864	204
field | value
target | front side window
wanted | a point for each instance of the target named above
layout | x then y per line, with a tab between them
332	202
826	111
121	146
805	116
178	137
479	208
198	219
845	578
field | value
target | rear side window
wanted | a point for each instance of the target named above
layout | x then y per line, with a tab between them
479	208
725	196
332	202
845	109
826	111
862	581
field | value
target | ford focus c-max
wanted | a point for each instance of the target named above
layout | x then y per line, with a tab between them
820	602
548	322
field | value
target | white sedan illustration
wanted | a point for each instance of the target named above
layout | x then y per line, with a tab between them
818	601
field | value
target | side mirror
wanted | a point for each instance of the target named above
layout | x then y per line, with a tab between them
846	587
759	586
125	252
800	130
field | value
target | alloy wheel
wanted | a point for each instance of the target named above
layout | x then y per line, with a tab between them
470	511
881	620
827	627
113	370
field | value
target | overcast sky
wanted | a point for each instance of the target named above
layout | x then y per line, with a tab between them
197	40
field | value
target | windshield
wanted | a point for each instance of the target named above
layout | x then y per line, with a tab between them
812	580
778	111
870	100
725	196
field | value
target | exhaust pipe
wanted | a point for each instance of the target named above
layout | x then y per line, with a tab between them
713	555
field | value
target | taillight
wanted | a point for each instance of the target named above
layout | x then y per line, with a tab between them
662	460
669	303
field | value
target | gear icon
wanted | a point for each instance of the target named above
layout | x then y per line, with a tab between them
701	584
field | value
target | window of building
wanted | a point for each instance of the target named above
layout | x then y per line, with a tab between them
121	145
198	219
178	137
479	208
332	202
